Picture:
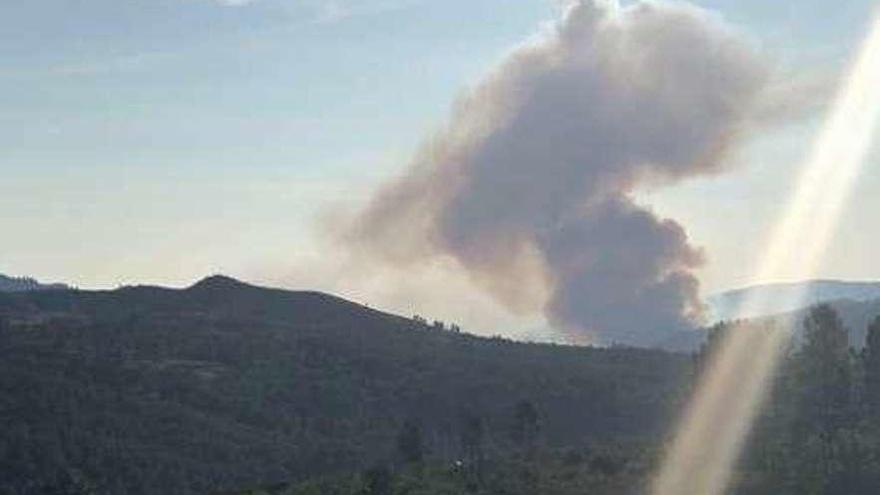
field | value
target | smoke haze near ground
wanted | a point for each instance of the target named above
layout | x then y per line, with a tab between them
529	187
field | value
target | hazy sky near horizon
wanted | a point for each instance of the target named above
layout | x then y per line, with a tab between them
156	141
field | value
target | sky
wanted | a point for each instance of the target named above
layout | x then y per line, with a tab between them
158	141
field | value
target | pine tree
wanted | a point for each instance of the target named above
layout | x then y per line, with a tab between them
871	363
409	443
825	368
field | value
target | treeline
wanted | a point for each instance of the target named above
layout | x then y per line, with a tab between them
819	431
530	467
223	386
24	284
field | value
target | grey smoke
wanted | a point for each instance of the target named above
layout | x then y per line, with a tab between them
532	181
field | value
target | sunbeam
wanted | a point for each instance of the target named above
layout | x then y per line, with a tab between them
716	423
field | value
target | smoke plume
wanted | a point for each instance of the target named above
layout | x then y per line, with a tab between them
530	185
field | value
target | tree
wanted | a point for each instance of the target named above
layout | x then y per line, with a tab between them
4	330
871	363
377	481
409	443
825	383
715	336
826	368
525	425
472	432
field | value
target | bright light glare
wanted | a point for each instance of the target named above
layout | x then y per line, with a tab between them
716	423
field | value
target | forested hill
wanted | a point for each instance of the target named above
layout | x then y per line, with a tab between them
216	298
225	385
24	284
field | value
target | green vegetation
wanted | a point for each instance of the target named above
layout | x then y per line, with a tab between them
26	284
572	472
819	433
223	386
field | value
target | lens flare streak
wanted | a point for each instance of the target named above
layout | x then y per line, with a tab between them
716	423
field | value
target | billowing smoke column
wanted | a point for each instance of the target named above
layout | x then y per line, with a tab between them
530	187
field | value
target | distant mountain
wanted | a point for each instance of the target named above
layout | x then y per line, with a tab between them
856	316
223	385
25	284
788	297
857	303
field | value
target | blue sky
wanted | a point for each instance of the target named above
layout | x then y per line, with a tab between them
160	140
133	131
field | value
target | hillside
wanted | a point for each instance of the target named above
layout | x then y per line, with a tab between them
788	297
226	385
25	284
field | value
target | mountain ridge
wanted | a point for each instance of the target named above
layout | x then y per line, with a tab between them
27	284
786	297
223	384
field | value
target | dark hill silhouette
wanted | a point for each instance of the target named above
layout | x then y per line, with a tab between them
25	284
224	384
215	297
